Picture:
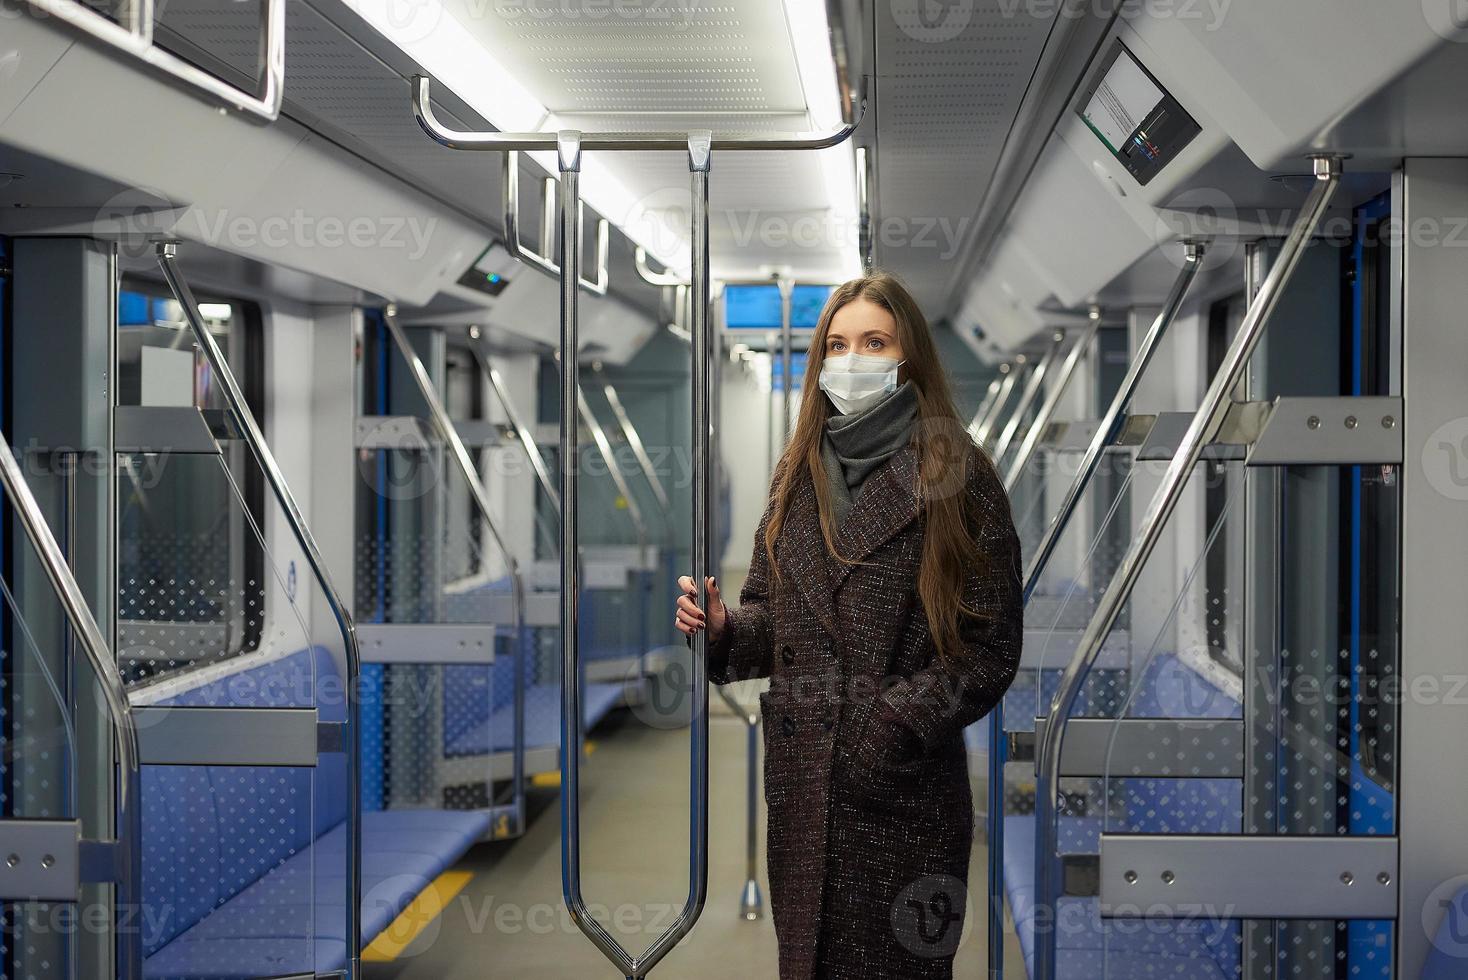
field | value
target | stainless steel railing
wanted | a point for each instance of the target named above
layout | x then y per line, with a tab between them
465	463
511	217
134	38
250	429
128	832
982	429
569	146
1033	386
1205	424
1052	401
1105	435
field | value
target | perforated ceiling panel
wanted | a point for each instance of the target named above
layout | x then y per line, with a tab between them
950	80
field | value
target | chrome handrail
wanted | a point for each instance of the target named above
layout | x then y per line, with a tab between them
522	431
450	435
1110	427
569	146
634	439
986	404
645	273
1052	401
128	832
235	397
1033	387
1104	436
1205	423
1015	368
751	901
460	140
510	201
136	40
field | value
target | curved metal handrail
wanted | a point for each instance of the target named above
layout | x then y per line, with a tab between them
135	38
1205	423
635	967
1033	386
450	435
460	140
645	273
128	832
510	201
1104	436
234	396
1011	373
1051	402
1110	427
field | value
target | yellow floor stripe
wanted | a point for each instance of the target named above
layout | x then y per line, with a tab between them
546	780
429	904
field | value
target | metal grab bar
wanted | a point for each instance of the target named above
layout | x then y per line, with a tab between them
751	902
1011	374
136	39
1105	435
986	405
569	146
634	439
1205	423
460	452
522	431
458	140
1110	427
1051	402
128	833
250	429
511	213
645	273
1033	386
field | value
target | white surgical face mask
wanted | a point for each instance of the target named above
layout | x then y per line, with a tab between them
855	382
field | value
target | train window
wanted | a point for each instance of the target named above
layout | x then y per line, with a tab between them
1223	570
191	563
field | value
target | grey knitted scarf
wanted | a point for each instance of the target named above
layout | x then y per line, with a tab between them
856	445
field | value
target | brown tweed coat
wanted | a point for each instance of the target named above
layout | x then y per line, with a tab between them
866	779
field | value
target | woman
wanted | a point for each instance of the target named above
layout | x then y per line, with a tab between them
883	602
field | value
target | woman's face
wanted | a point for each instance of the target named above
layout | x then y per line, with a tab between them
863	327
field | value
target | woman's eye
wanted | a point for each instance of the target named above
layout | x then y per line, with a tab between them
874	344
837	345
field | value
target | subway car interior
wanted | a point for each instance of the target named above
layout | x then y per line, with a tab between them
371	371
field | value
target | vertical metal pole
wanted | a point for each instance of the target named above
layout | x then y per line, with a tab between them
751	903
1164	502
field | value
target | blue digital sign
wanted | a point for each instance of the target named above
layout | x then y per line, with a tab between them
777	370
757	306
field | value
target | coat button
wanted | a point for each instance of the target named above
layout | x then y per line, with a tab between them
787	655
828	723
787	725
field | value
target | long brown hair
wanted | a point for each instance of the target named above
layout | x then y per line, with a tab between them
944	451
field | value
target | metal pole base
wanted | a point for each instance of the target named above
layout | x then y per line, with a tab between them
751	902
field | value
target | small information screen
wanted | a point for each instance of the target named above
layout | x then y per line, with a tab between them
1141	124
757	306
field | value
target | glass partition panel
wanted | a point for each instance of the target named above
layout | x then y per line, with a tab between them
440	735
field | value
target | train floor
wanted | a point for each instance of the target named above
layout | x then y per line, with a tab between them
501	906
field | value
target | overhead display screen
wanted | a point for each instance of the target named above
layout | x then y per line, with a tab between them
757	306
806	303
1141	124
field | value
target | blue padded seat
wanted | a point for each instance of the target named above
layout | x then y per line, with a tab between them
244	868
542	728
